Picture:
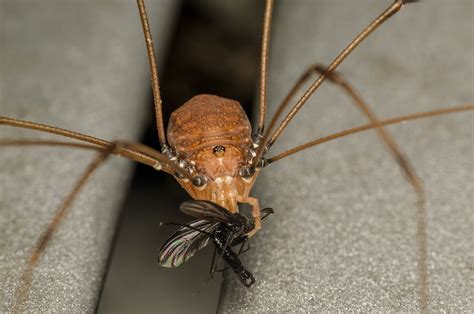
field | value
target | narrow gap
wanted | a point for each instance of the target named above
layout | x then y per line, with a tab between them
210	52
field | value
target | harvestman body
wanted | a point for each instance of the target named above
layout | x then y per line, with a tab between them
210	150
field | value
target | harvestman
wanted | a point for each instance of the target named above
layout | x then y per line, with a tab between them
221	166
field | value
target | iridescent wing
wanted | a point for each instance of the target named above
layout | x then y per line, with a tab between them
209	211
185	242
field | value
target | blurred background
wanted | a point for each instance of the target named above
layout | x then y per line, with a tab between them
224	40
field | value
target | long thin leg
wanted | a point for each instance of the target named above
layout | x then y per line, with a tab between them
75	135
50	143
161	160
294	89
406	166
307	74
135	151
369	126
412	178
390	11
408	170
155	83
53	130
213	261
364	107
159	163
267	22
23	289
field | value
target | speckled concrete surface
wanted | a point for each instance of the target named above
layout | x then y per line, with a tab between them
343	235
79	66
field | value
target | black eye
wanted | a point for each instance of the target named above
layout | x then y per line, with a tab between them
219	150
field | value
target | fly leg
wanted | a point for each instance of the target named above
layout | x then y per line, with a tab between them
242	250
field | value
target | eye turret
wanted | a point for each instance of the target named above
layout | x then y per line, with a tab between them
219	151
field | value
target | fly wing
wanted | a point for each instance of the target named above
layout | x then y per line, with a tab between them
185	242
209	211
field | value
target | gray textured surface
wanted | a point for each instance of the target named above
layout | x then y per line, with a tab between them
343	236
80	66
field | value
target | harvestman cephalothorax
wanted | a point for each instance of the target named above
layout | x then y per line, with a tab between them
222	167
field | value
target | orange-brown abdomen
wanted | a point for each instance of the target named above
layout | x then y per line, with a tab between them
205	121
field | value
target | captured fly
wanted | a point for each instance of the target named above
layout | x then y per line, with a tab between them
217	224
